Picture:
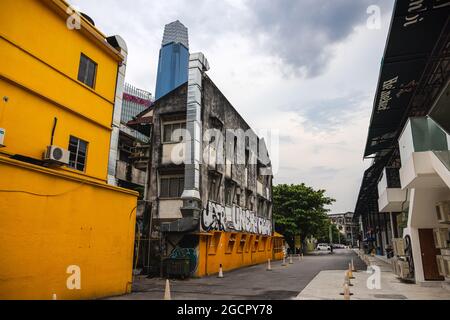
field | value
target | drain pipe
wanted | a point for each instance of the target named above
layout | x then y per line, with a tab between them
191	194
119	44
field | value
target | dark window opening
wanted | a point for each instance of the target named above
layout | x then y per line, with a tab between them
78	153
171	187
229	193
87	71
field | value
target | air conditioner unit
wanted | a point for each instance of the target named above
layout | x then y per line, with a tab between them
447	266
441	265
441	238
56	155
443	212
399	246
404	269
2	137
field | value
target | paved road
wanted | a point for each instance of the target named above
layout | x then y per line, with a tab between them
251	282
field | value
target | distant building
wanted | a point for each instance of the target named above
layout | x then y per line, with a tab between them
348	229
133	147
173	59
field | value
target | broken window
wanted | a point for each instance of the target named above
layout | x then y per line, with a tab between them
214	187
229	193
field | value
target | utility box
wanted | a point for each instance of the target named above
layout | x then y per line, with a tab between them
2	137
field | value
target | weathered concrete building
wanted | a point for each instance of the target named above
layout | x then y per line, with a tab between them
133	147
210	182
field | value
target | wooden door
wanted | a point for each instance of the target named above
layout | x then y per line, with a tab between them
429	252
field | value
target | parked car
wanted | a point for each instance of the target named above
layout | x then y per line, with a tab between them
323	247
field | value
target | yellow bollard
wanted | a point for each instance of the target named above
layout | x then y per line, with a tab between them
346	292
350	272
347	279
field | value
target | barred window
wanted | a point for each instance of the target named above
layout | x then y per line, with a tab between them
78	153
170	128
171	187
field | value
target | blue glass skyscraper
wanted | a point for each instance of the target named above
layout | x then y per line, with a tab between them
173	59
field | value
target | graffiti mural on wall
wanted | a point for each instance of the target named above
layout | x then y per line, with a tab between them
214	217
220	218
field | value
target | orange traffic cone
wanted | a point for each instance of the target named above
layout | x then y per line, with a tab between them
167	295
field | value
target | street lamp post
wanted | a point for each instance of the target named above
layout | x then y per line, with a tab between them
330	235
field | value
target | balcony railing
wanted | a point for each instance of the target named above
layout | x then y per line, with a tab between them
421	134
126	172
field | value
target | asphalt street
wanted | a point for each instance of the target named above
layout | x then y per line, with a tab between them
250	283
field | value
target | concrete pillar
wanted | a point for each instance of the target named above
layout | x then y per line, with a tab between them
191	194
119	44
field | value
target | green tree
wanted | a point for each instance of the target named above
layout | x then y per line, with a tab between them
323	234
299	210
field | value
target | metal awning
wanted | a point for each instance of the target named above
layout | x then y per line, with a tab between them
415	29
368	193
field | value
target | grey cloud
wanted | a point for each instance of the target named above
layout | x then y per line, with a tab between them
330	114
301	33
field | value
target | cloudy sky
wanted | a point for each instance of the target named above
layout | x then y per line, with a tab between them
307	68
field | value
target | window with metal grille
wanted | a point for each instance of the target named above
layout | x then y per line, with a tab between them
87	71
173	132
171	187
78	153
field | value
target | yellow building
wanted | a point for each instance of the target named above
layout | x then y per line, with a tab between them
64	231
236	250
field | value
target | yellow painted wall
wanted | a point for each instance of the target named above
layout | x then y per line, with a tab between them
88	224
39	76
216	248
28	121
81	220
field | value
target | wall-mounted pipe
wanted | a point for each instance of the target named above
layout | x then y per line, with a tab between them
197	66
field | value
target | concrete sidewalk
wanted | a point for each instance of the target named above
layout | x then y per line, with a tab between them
328	285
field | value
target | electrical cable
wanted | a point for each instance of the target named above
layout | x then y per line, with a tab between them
43	195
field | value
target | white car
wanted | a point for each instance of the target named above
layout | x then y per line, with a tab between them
323	246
